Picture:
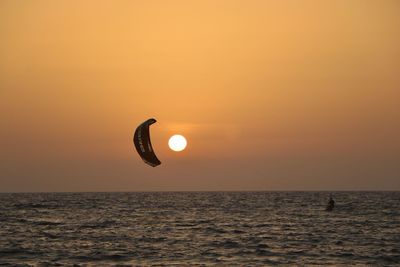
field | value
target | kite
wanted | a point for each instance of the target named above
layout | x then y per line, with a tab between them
142	142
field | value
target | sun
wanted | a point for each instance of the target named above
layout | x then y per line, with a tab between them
177	142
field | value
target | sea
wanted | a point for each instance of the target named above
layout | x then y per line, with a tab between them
200	229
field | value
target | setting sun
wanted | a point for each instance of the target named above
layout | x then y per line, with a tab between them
177	142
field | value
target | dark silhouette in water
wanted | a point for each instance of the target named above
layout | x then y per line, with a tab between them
331	204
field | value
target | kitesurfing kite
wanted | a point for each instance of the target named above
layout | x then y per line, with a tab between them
142	142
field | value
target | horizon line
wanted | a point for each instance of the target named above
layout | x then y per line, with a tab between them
194	191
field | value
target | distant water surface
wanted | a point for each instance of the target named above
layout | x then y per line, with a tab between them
200	228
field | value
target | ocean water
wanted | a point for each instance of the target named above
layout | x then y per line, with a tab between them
199	228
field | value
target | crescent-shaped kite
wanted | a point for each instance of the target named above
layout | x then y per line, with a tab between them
142	142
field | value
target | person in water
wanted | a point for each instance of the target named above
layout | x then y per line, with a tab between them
331	203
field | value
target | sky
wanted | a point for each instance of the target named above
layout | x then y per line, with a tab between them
271	95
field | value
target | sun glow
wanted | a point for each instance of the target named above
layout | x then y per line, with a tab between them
177	142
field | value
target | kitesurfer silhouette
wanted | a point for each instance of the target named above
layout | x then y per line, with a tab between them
331	204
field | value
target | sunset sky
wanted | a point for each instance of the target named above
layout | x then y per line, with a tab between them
271	95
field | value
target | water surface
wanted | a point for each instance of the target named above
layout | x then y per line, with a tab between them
200	228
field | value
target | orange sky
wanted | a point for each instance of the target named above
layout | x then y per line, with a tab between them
271	95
